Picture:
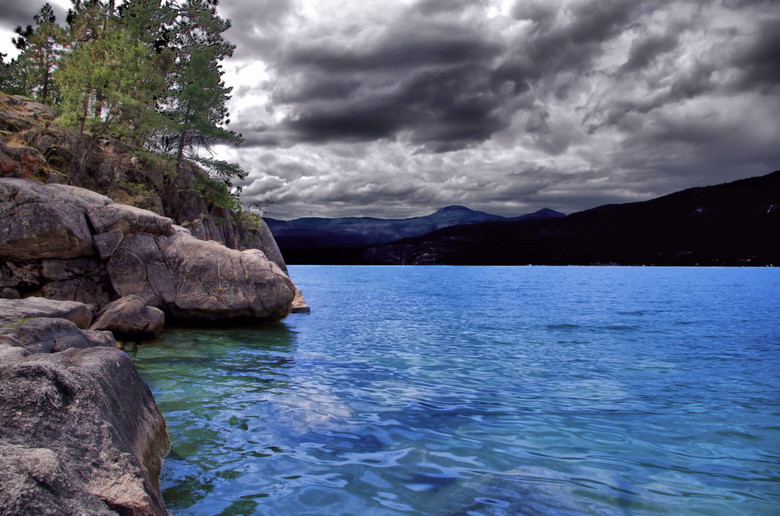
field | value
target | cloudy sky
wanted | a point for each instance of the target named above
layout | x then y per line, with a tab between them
395	108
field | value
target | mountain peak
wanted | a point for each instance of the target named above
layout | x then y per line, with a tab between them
454	208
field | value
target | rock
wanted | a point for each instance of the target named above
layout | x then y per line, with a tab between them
68	269
9	293
128	219
262	238
138	267
299	305
72	244
194	279
88	290
20	276
44	221
20	161
106	243
10	121
48	335
14	310
78	279
79	434
129	316
185	205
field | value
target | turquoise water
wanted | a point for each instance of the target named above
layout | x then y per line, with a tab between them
483	391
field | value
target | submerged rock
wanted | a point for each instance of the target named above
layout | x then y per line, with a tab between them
46	335
79	430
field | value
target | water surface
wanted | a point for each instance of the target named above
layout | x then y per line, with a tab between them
483	391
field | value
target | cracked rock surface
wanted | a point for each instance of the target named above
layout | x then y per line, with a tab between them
79	430
72	244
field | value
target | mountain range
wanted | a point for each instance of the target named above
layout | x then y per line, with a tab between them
735	223
353	232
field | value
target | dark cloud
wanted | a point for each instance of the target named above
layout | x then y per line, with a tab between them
566	42
409	44
17	13
645	50
437	79
359	121
759	63
540	12
396	111
430	81
256	25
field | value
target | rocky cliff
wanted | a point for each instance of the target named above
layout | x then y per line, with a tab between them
68	243
79	430
59	242
33	146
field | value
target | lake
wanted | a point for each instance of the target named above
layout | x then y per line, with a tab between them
483	391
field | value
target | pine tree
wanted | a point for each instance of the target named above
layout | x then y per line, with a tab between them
31	72
109	83
149	70
196	106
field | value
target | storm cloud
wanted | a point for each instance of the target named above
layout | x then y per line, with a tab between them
396	108
19	13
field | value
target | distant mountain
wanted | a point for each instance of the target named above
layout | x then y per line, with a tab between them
731	224
312	233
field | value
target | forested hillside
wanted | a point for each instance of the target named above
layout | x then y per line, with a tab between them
145	72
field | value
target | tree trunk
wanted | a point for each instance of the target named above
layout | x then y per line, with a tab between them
182	139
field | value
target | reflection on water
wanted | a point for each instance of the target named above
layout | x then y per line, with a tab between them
512	391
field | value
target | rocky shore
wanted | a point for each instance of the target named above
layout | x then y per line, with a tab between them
80	432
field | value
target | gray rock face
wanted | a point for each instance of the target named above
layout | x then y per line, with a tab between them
126	219
129	316
192	278
72	244
12	311
44	221
79	431
48	335
299	305
262	238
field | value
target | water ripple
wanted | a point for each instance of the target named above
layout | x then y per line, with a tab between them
511	391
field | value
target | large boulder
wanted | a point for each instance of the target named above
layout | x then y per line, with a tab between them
260	237
194	279
72	244
15	310
79	433
45	221
130	317
79	430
